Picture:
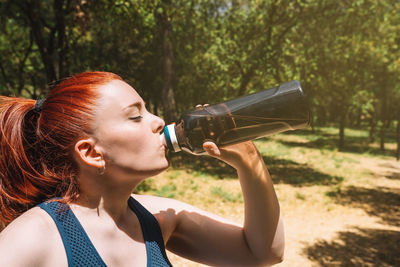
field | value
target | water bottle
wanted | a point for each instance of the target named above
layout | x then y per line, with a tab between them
245	118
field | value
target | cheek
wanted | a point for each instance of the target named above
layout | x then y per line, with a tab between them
129	150
124	146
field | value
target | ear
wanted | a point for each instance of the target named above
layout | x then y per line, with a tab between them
87	152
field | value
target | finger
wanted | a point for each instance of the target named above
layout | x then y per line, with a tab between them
198	106
211	149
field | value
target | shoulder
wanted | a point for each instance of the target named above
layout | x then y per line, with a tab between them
156	204
164	209
167	207
167	212
31	224
171	213
27	239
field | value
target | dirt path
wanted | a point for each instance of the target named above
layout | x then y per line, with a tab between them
357	225
360	227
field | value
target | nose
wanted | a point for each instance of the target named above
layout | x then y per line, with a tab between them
157	124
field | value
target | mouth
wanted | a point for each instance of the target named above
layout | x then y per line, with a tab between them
163	143
164	149
162	139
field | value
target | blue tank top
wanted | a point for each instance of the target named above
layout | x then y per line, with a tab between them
80	250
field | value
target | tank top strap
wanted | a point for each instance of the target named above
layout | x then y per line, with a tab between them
156	255
80	250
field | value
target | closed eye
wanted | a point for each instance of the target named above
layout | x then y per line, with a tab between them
136	118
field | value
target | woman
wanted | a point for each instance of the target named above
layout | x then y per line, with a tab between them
69	165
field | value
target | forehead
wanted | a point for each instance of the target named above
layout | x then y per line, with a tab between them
118	93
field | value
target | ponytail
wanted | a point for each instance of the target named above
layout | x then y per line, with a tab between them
36	146
19	167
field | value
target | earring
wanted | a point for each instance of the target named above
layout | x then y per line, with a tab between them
102	170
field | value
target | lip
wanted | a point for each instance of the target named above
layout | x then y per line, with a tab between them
164	147
162	141
164	151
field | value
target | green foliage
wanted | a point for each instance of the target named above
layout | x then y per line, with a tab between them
345	53
336	192
168	191
144	186
300	196
226	196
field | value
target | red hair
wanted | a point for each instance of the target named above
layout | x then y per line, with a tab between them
36	152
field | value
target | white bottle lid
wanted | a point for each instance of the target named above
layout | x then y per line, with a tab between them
170	138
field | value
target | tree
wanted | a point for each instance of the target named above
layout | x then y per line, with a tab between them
164	16
339	56
16	46
42	28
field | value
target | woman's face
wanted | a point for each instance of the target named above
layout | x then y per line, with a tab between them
127	134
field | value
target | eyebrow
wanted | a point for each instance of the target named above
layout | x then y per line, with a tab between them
136	104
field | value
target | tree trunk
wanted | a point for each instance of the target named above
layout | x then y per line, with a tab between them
359	119
169	105
61	38
312	121
372	128
398	140
46	51
382	136
341	130
384	113
168	73
245	80
53	51
8	82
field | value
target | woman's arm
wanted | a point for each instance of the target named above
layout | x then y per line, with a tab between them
263	226
201	236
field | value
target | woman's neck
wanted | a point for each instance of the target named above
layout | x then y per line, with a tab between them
105	198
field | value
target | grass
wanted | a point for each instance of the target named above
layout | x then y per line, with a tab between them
226	195
330	188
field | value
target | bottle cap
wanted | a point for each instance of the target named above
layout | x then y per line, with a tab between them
170	138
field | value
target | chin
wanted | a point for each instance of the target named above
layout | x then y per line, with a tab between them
164	167
159	169
154	172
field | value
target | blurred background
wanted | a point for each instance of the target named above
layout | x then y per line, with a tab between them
180	53
332	179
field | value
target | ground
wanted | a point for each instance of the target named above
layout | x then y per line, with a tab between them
340	208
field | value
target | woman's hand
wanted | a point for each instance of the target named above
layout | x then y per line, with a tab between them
239	156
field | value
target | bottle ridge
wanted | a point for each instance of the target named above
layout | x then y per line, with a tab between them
245	118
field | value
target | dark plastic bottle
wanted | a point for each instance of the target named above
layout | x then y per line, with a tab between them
249	117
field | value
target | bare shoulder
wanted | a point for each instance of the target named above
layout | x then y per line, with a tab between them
159	204
25	240
167	212
33	223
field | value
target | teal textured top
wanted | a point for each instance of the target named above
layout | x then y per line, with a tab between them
80	250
